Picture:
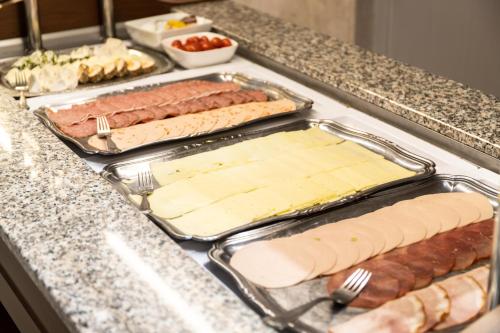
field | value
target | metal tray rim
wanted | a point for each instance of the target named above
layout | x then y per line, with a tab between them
427	165
305	104
253	294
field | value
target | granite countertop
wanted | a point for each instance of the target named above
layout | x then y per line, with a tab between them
445	106
103	266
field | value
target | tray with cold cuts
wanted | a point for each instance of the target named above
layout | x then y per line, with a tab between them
157	113
427	245
228	183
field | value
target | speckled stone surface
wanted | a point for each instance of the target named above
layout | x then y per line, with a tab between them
102	265
445	106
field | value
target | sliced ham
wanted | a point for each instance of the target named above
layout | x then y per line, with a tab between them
400	272
437	256
484	227
481	275
404	315
481	244
464	253
380	289
80	130
420	267
136	100
153	112
466	297
436	305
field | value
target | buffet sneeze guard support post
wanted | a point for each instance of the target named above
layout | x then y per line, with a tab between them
34	40
108	19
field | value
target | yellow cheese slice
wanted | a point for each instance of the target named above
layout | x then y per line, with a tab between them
337	186
394	169
353	177
355	147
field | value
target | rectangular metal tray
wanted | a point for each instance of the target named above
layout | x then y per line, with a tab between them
273	91
163	65
123	175
275	301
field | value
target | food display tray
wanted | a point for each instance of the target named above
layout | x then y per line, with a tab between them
123	175
272	90
275	301
163	65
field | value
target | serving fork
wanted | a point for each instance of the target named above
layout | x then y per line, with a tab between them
340	297
145	187
104	131
22	84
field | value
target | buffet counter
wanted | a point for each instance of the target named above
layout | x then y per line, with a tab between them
78	257
430	102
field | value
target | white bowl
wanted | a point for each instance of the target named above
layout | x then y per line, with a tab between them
143	31
201	58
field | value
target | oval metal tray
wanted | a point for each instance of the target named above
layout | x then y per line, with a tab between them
163	65
272	90
123	175
276	301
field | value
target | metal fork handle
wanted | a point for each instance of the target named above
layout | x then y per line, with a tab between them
144	206
280	322
22	100
111	144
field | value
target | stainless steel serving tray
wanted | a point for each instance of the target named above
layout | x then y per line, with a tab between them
275	301
163	65
123	175
272	90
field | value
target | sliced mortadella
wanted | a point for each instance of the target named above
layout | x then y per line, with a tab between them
448	217
404	315
436	305
273	264
393	235
346	252
467	299
334	232
413	230
324	257
482	203
375	236
467	210
425	216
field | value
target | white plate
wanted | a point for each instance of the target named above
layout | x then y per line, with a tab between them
143	31
201	58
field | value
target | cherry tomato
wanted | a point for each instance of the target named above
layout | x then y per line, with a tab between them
216	42
177	43
192	40
226	42
203	39
206	46
190	48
